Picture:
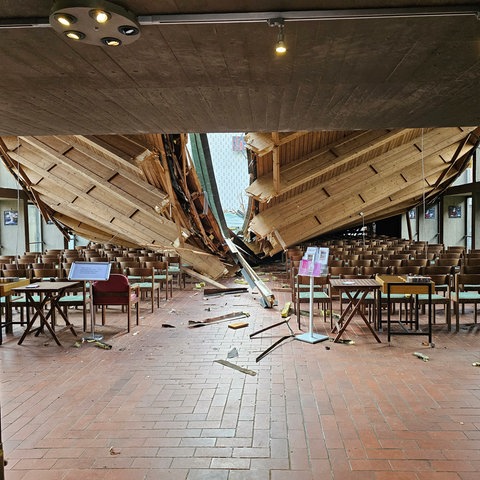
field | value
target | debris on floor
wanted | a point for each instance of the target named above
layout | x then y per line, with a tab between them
237	325
224	291
345	341
422	356
232	353
221	318
113	451
167	325
236	367
103	345
476	364
286	309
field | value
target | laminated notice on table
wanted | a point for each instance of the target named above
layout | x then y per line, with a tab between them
314	262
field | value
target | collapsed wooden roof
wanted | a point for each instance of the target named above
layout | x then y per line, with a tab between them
131	191
307	184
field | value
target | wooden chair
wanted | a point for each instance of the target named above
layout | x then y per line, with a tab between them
45	273
360	263
16	272
116	291
162	276
408	270
372	272
76	297
470	269
146	283
417	262
450	262
336	263
338	271
375	257
175	269
395	262
467	288
443	285
438	270
469	260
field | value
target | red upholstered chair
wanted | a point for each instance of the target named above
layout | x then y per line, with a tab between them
116	291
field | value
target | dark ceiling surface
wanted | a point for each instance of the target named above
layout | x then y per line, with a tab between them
337	74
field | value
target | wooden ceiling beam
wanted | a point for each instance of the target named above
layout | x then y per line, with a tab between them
357	146
90	175
313	213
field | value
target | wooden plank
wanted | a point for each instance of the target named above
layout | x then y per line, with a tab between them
203	278
225	363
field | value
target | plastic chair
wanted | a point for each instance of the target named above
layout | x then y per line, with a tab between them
116	291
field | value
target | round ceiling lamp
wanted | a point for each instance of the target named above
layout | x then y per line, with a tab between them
96	22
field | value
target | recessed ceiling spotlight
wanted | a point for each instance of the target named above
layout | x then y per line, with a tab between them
64	19
111	41
74	35
100	16
128	30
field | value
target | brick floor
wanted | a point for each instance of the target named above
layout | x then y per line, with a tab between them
157	405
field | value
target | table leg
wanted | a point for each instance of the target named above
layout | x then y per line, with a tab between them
346	317
43	319
355	304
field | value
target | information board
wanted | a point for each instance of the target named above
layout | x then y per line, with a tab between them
89	271
314	262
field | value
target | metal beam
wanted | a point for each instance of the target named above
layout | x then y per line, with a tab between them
287	16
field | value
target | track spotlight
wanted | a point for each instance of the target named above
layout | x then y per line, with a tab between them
280	46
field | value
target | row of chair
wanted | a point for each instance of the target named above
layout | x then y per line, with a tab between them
455	290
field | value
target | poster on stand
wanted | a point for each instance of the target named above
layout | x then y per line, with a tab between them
314	262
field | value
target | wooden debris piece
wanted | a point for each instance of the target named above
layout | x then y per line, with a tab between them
236	367
220	318
216	291
203	278
237	325
286	309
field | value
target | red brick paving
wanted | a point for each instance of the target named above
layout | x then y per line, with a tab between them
158	406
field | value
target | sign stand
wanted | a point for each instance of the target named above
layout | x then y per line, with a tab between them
90	272
313	264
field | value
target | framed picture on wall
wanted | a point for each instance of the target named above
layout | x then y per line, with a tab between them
454	211
10	217
430	213
411	213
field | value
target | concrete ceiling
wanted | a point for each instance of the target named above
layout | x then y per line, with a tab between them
343	74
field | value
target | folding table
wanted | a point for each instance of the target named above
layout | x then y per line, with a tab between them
356	290
50	292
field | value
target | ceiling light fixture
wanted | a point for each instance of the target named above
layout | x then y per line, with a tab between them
280	47
97	22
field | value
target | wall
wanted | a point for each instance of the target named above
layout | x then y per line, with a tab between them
12	237
454	229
